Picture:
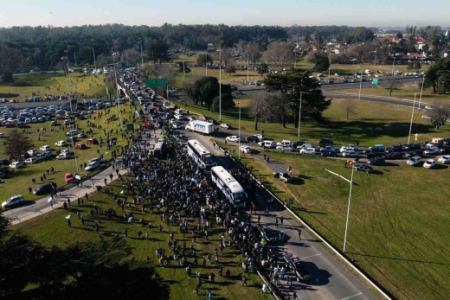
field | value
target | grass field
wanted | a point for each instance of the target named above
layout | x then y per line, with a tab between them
57	85
51	229
371	123
396	231
21	179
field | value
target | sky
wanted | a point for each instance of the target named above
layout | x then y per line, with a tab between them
376	13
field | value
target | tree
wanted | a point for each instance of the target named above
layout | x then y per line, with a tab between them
183	68
261	108
263	69
131	56
349	108
439	114
279	53
226	56
391	83
291	84
7	77
322	63
205	89
227	102
158	51
17	143
203	59
434	73
229	69
417	66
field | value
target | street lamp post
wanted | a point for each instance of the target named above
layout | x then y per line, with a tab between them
412	116
247	70
206	63
93	54
220	91
239	103
348	208
360	85
393	65
116	54
142	56
421	90
300	114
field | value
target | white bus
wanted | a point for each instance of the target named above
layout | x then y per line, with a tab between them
159	148
200	154
229	186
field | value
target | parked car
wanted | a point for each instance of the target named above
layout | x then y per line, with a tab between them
431	150
66	155
16	165
300	270
92	166
270	235
431	163
267	144
410	147
349	147
232	138
253	138
80	146
413	153
45	148
327	153
72	132
13	201
308	151
444	159
32	160
92	141
327	148
325	142
414	161
246	149
350	153
363	168
44	188
32	152
376	161
61	144
394	155
225	125
68	177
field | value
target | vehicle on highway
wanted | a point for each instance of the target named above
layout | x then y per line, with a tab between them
377	148
80	146
376	161
92	166
284	143
300	270
200	127
304	146
444	159
267	144
414	161
225	125
349	147
61	144
232	138
431	150
13	201
253	138
308	151
32	160
16	165
44	188
230	187
413	153
431	163
363	168
350	153
327	148
246	149
45	148
325	142
328	153
410	147
68	177
393	155
394	148
271	236
200	154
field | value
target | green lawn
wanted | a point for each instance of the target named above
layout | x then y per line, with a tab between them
53	84
371	123
51	229
397	231
21	179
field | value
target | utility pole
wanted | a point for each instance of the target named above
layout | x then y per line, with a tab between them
206	63
247	70
220	87
116	54
93	54
300	114
412	116
360	85
142	56
421	90
239	103
184	71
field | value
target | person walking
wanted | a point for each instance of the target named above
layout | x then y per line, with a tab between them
244	281
299	231
276	222
69	223
281	220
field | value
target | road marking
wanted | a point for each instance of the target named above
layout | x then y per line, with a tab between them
303	258
352	296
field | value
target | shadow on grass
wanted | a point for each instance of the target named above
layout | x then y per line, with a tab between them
9	95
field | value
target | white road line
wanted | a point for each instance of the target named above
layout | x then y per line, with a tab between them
303	258
352	296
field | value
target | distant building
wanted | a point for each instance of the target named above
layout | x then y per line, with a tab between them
211	47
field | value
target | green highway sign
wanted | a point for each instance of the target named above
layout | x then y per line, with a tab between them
156	82
375	81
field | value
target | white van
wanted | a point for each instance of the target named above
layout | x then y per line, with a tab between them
267	144
304	146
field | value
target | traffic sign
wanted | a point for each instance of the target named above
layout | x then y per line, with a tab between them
156	82
375	81
291	200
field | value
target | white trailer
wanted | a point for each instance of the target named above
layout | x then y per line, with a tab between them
200	127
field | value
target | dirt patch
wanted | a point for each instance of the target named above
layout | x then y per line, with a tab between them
322	179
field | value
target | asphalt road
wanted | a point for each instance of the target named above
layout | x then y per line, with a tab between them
330	278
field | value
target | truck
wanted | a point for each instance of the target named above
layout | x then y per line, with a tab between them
200	127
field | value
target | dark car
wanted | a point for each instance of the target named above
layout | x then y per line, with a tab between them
393	155
363	168
444	150
300	270
409	147
325	142
413	153
376	161
44	188
326	153
395	148
270	235
371	154
253	138
4	162
72	139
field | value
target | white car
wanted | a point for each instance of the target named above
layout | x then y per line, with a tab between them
413	161
2	135
327	148
349	148
232	138
61	144
308	151
431	150
72	132
246	149
176	125
16	165
32	160
225	125
304	146
444	159
32	152
350	153
45	148
13	201
92	165
431	163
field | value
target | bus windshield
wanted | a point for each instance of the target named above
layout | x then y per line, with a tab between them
239	197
